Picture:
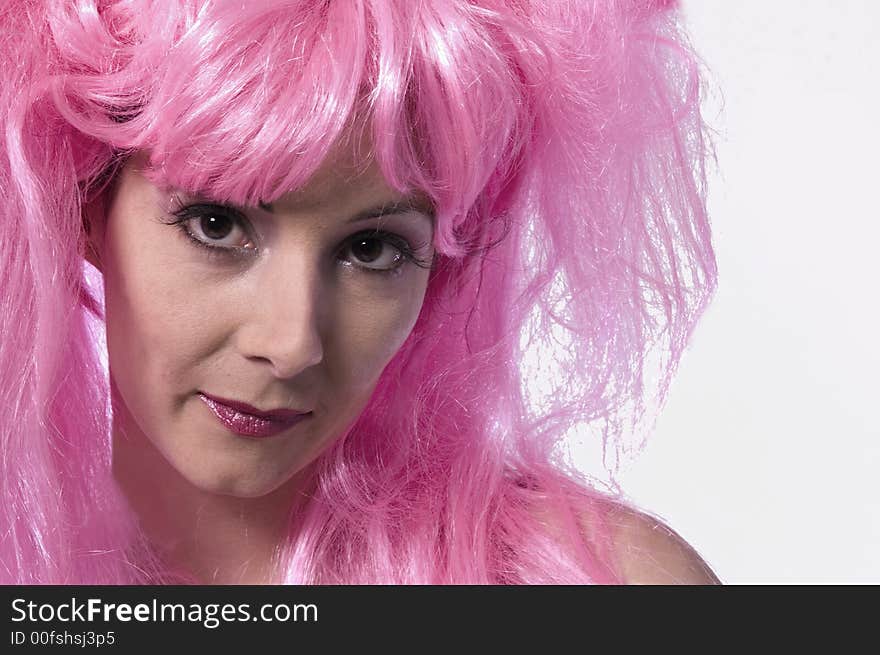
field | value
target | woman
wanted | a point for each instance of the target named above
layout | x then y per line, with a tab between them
326	234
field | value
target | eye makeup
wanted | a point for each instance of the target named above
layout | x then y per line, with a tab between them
206	218
217	215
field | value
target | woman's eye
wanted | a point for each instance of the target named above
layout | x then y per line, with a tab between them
214	226
217	229
379	252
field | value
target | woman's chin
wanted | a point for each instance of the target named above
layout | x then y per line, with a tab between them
240	484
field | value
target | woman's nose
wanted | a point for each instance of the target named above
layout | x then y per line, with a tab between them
283	325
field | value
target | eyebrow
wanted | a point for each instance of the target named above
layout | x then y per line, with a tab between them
385	209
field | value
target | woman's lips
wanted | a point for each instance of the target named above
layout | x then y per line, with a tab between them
251	425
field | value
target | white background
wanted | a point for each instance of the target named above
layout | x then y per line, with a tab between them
767	456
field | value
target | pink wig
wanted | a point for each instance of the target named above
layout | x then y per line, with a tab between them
562	147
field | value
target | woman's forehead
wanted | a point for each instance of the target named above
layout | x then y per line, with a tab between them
340	178
344	179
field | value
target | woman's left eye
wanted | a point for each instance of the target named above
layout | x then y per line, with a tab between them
377	251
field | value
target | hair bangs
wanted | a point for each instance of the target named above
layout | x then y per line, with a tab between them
198	121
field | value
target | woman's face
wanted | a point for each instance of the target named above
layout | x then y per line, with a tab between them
294	306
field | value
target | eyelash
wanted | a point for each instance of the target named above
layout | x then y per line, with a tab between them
182	216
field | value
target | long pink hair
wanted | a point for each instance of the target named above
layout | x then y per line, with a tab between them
562	147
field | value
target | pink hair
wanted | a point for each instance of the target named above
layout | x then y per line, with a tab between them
562	147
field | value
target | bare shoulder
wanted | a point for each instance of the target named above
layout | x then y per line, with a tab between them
647	551
639	549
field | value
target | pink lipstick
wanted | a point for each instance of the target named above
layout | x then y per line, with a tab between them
247	421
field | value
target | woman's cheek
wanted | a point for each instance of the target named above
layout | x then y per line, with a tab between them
378	330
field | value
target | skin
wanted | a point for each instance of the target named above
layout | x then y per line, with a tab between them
643	549
298	320
649	552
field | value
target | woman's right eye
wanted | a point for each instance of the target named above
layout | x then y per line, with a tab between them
215	227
